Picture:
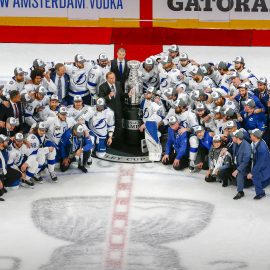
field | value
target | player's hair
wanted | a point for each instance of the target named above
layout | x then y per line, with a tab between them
121	50
14	93
35	73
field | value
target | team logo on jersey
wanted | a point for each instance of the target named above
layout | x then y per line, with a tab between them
80	80
101	124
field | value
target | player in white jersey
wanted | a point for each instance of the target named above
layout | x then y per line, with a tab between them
56	126
220	100
173	53
199	81
51	109
148	74
225	73
199	96
210	71
78	73
101	123
97	76
20	158
33	110
245	74
169	75
184	65
45	155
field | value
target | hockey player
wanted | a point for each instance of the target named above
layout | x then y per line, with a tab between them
184	65
220	164
56	126
245	74
101	124
204	117
78	73
212	73
20	159
148	74
8	175
45	155
97	76
74	145
17	82
177	147
262	93
173	52
10	128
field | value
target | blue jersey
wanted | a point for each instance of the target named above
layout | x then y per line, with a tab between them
206	141
255	120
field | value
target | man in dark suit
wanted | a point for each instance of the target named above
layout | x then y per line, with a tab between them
120	68
14	110
114	96
260	172
241	157
61	80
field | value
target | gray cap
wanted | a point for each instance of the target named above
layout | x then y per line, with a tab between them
3	138
217	109
239	59
41	126
200	106
79	130
216	95
173	48
250	103
222	65
39	63
19	137
101	102
19	70
183	56
198	128
242	85
101	57
41	90
12	121
197	71
262	80
196	94
166	60
238	134
228	112
234	74
172	120
150	89
63	110
217	138
79	58
168	92
54	97
231	124
149	62
77	98
256	132
180	103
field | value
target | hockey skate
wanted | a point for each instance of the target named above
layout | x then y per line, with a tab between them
193	168
53	177
38	178
27	183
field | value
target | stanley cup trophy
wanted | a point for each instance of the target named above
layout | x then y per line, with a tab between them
132	120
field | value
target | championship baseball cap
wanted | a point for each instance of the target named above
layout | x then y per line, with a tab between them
166	60
183	56
79	58
19	137
228	112
168	92
238	134
149	61
79	130
197	71
179	103
77	98
173	48
182	85
102	57
234	74
250	103
26	98
231	124
12	121
200	107
196	94
239	59
39	63
216	95
3	138
150	89
172	120
217	138
100	102
41	90
41	126
54	97
242	85
19	70
63	110
256	132
262	80
198	129
222	65
217	109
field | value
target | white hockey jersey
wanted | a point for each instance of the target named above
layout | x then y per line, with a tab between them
246	74
78	79
78	115
171	78
148	79
185	70
96	77
37	144
206	84
148	110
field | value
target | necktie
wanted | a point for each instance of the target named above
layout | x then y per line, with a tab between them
121	69
59	88
112	88
16	111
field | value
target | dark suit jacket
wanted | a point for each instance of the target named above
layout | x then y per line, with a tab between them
114	103
242	156
5	113
115	70
67	82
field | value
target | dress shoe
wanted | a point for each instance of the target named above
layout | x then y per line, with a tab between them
239	195
259	196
